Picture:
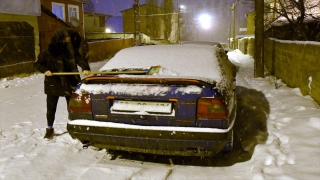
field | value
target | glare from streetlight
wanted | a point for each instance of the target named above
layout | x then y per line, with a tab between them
205	21
108	30
182	7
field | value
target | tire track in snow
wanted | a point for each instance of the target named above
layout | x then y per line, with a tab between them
156	173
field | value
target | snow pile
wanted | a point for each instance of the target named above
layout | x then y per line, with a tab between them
290	151
5	82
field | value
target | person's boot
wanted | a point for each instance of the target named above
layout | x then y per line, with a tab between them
49	133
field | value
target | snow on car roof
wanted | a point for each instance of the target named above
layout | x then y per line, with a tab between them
189	60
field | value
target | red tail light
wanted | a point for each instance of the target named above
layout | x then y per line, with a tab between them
80	103
211	108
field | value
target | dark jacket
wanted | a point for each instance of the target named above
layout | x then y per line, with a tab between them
61	58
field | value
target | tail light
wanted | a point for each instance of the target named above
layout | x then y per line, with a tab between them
211	108
80	103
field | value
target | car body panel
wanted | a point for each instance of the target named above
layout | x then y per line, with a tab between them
177	130
186	141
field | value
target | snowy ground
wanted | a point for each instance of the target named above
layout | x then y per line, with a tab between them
278	131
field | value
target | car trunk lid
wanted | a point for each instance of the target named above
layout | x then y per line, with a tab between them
145	100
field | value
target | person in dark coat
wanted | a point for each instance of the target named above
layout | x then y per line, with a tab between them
62	55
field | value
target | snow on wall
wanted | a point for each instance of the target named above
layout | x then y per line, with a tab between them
295	63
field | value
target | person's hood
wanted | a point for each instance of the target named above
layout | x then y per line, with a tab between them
57	45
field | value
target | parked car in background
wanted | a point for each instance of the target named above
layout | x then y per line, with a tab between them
161	99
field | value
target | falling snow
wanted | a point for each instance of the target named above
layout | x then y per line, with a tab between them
279	131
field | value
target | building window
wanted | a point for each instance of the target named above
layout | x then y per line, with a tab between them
58	10
73	11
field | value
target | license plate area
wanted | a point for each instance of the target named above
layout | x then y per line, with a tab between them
141	106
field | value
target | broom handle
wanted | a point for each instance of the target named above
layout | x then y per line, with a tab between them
81	73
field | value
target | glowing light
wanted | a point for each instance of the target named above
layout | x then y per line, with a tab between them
182	7
205	21
108	30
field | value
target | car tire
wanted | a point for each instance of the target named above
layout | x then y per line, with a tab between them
229	145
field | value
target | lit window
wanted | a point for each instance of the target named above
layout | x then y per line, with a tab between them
58	10
73	11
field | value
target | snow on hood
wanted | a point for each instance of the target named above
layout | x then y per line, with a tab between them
188	60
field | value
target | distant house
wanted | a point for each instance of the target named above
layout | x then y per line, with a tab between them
18	36
278	26
26	27
57	14
311	8
95	22
250	23
151	22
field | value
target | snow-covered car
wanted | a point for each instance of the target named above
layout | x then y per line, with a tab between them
160	99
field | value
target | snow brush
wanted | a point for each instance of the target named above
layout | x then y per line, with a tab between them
111	73
151	71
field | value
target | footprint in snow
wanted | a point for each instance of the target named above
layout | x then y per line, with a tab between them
314	122
299	108
279	150
283	122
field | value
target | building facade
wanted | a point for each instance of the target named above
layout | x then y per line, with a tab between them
58	14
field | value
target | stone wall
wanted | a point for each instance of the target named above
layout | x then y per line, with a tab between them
315	87
246	45
243	45
250	48
295	63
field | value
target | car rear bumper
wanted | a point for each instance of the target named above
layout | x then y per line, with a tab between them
184	141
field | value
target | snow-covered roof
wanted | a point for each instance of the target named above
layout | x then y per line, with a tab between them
189	60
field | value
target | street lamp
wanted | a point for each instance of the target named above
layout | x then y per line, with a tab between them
108	30
205	21
233	8
182	7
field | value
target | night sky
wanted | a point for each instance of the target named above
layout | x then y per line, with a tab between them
113	7
220	10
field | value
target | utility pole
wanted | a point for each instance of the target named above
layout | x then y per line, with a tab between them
179	23
137	33
233	8
259	39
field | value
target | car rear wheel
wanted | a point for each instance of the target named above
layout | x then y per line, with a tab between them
229	145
